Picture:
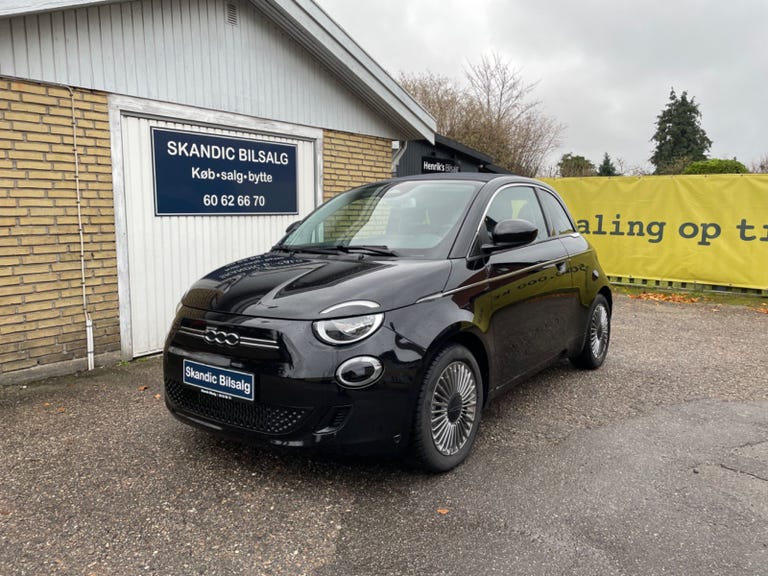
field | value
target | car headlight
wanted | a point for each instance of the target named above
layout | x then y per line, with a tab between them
347	330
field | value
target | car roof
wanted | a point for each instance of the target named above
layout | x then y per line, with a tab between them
484	177
476	176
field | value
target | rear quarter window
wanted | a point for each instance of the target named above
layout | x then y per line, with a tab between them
558	221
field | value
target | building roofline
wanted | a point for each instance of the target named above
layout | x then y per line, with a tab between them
309	25
319	34
459	147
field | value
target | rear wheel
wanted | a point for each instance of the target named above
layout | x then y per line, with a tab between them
597	337
448	410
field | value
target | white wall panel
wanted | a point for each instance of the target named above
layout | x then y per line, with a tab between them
184	51
167	253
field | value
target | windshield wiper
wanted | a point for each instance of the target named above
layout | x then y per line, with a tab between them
366	249
307	249
356	249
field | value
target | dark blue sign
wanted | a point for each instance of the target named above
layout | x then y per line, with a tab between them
209	174
219	381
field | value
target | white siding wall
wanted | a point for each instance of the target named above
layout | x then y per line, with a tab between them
184	51
164	255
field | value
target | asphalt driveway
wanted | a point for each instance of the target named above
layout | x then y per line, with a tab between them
655	464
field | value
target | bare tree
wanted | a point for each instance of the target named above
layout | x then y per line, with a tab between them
535	136
499	91
440	96
492	114
637	170
761	166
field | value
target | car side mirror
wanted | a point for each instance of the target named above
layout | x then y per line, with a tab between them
292	226
511	233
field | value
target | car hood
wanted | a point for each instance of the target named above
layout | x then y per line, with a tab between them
278	285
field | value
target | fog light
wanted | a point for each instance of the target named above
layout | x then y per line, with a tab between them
359	372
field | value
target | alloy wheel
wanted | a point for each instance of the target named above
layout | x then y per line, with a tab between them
453	408
599	331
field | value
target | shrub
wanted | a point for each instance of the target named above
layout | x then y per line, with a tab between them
716	166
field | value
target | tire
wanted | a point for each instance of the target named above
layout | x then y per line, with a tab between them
448	410
597	336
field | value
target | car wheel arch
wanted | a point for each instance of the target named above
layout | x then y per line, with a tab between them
606	292
471	342
597	332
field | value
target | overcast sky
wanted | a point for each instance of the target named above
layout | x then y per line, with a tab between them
603	68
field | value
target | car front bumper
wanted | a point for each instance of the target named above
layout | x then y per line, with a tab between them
297	399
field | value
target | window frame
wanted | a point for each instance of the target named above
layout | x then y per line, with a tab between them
548	218
477	240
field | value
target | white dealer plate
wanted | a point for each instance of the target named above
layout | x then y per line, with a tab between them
220	382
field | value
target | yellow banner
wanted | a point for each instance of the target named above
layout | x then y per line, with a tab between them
705	229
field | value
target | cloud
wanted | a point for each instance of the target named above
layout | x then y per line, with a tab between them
604	69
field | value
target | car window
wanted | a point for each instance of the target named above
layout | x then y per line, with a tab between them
559	222
516	202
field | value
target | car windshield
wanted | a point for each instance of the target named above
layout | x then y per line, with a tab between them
416	219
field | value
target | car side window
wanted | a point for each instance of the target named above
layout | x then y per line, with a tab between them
516	202
559	222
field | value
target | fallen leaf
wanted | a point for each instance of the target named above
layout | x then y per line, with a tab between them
158	396
659	297
142	388
442	511
61	409
762	310
47	404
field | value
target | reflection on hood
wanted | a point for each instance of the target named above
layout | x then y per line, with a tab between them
289	287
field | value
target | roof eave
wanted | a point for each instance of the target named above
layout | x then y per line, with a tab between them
459	147
311	27
12	8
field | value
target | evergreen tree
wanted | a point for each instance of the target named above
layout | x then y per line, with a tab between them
607	168
679	137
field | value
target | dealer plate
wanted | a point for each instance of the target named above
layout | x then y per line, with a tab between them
219	382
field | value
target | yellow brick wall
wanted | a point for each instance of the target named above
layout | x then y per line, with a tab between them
41	313
350	160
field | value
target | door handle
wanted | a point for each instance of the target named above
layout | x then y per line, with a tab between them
562	267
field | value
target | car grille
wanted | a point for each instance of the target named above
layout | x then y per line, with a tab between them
253	416
232	340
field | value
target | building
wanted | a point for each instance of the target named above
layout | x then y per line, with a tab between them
145	143
441	155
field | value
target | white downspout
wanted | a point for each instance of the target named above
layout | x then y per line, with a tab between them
88	321
402	146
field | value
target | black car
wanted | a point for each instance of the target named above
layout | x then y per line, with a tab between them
389	317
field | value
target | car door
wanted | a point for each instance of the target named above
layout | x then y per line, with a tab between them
529	288
560	225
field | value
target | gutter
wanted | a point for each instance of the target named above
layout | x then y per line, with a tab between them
88	320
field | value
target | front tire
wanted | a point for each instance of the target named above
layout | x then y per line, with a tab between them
448	410
597	337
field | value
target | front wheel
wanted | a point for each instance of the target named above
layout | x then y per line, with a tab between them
448	410
597	337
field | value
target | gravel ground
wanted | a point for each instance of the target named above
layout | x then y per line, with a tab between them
655	464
